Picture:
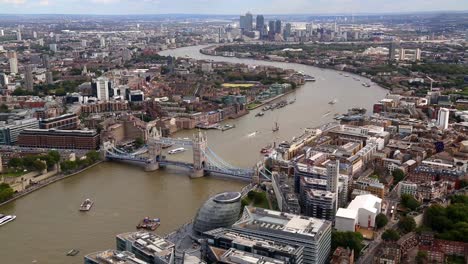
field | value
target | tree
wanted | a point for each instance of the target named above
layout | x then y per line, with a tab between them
407	224
15	163
398	175
421	257
93	156
352	240
139	142
6	192
409	202
381	220
39	165
390	235
54	155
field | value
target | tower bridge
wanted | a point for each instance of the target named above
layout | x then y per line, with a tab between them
205	161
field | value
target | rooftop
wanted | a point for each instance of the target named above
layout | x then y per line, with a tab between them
114	257
269	220
242	257
149	243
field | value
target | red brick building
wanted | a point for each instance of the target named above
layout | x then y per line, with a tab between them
60	139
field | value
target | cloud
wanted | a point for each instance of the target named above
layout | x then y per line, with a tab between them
44	2
105	1
15	2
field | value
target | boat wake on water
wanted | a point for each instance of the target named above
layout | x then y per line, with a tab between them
253	134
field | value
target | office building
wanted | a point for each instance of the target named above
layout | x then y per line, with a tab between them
18	35
60	139
2	33
361	212
112	257
101	88
136	96
370	185
13	61
271	28
147	246
34	34
49	78
102	42
226	239
10	131
278	27
310	29
246	22
287	31
221	210
443	118
311	233
45	61
53	47
234	256
84	43
64	122
28	77
260	25
3	80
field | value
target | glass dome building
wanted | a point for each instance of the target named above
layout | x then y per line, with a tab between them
221	210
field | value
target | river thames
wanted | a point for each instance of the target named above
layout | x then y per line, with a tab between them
49	224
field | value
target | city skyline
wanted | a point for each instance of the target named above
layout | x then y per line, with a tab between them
119	7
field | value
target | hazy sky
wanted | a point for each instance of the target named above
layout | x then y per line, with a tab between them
225	6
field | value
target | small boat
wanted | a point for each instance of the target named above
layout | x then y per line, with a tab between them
276	127
266	149
167	145
6	218
309	78
86	205
346	75
260	114
365	84
227	127
252	134
292	101
326	114
73	252
334	101
149	224
175	151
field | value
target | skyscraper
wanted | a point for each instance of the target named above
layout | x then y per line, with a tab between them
102	42
53	47
3	80
271	28
28	77
101	85
45	61
287	31
278	27
443	118
246	22
13	60
260	23
18	35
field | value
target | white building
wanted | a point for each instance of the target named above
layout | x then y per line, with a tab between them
360	212
13	60
406	187
53	47
443	118
102	88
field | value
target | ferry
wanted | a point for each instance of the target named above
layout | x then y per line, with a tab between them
86	205
260	114
334	101
6	218
175	151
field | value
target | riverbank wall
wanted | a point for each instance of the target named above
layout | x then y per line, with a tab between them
43	183
210	51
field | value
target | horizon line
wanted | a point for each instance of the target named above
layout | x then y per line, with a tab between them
216	14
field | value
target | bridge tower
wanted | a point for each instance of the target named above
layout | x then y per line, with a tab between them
154	150
199	156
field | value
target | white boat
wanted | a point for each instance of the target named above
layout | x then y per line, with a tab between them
175	151
6	218
334	101
86	205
